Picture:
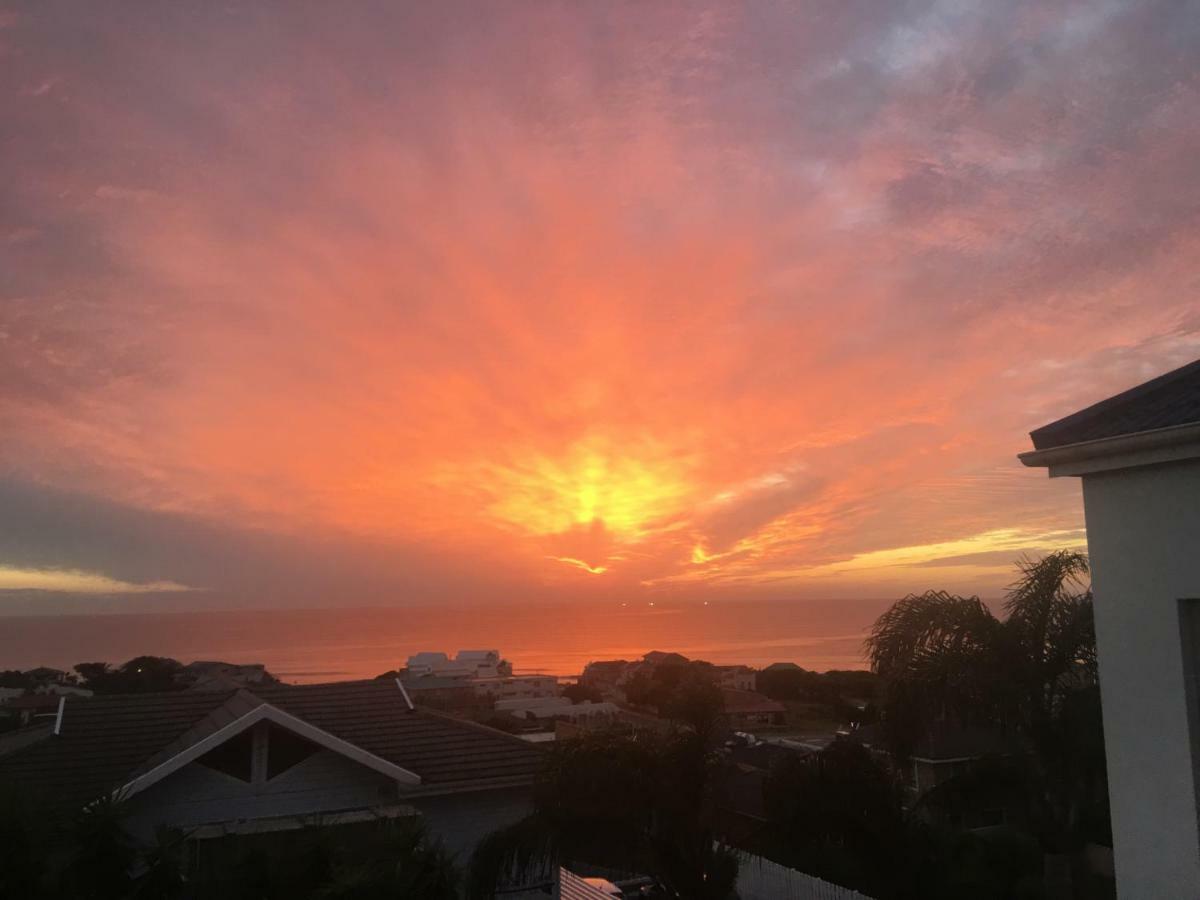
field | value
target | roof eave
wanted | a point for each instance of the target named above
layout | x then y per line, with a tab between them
1126	451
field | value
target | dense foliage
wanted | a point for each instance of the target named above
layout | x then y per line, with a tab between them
91	856
638	805
142	674
684	692
944	659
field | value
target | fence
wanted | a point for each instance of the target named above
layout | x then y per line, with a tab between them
761	879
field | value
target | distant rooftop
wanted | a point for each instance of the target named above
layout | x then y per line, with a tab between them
1170	400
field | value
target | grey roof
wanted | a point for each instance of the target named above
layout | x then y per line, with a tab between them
105	741
1170	400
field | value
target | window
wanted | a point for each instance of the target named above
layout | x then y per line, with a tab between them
285	749
1189	628
233	757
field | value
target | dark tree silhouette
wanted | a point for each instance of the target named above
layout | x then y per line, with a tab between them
634	804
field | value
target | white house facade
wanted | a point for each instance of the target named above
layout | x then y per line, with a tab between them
1138	456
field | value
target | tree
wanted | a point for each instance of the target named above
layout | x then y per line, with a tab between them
943	658
838	815
396	859
578	693
101	855
684	692
637	804
142	674
948	659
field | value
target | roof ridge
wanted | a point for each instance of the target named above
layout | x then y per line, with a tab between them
231	709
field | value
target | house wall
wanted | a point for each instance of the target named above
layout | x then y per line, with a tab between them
196	794
325	782
1144	542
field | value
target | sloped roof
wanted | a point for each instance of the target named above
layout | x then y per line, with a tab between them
105	741
1170	400
749	702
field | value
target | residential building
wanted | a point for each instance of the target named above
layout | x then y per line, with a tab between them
216	675
740	678
558	708
30	708
7	693
746	709
1138	457
605	675
240	762
783	667
47	675
466	664
62	690
516	687
662	658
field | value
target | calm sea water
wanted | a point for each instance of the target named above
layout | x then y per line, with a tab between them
334	644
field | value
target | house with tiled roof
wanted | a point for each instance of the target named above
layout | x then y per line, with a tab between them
1137	455
748	709
219	763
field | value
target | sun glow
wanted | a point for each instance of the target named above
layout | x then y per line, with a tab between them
592	484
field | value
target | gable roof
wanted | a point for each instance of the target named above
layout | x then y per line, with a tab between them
242	711
1167	401
109	741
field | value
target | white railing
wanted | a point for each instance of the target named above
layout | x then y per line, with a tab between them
761	879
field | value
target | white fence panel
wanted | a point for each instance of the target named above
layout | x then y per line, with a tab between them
761	879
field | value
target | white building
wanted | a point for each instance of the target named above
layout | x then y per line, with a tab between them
1138	456
740	678
516	687
467	664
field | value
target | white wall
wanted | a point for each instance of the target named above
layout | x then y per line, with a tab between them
1144	542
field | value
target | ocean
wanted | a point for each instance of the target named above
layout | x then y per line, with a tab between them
309	645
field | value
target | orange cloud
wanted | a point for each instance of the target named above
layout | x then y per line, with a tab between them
672	300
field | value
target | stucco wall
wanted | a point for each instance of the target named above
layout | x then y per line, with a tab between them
1144	542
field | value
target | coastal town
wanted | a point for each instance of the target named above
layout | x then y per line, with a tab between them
238	761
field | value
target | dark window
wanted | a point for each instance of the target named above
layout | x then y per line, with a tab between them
231	757
1189	627
285	749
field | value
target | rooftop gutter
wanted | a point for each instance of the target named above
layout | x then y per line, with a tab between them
1143	448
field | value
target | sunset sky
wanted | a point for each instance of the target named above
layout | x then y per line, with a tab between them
346	304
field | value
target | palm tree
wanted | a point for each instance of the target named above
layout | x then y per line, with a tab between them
944	659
